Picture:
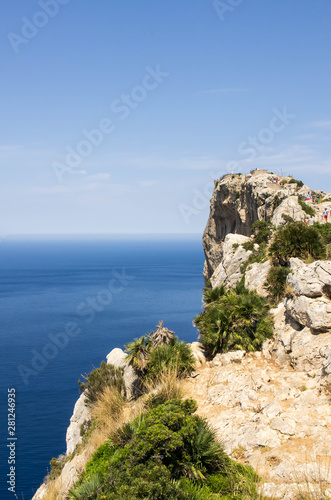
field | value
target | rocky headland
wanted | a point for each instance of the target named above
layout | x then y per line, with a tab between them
270	408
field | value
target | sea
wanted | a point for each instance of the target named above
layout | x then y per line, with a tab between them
65	304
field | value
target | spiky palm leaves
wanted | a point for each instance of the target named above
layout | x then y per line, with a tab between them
235	319
138	351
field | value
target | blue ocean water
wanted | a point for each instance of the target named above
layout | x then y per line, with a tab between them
105	293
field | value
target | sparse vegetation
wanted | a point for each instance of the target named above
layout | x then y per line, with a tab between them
306	208
99	379
300	184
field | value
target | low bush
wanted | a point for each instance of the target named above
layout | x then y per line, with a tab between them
99	379
325	231
175	357
262	231
296	239
168	452
276	283
236	319
300	184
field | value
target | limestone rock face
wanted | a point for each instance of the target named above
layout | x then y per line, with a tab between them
233	256
289	206
81	414
311	280
237	202
256	276
132	382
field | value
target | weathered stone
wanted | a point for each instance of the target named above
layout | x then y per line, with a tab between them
256	276
233	256
289	206
81	414
131	379
283	425
314	313
310	280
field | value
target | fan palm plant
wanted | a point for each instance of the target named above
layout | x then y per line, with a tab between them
138	351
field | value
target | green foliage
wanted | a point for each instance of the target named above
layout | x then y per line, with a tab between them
248	245
298	183
169	452
276	201
237	195
306	208
296	239
176	356
57	465
89	490
138	351
237	319
262	231
99	463
276	282
99	379
216	184
325	231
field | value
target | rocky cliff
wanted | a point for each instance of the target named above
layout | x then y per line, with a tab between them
240	200
271	409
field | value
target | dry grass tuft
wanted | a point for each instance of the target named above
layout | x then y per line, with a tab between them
168	385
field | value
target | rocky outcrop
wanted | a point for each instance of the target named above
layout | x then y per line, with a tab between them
240	200
256	276
80	416
234	255
237	202
132	381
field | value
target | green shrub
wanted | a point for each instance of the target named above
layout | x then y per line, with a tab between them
57	465
276	201
300	184
296	239
325	231
306	208
168	452
276	282
262	231
239	319
138	351
248	245
176	356
99	379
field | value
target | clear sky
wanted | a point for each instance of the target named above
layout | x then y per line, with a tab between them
117	115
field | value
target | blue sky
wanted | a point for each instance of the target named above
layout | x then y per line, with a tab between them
179	89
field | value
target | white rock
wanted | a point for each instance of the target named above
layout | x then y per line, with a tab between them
81	414
283	425
256	276
131	379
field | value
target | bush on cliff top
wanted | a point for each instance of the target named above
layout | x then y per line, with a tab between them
168	452
100	378
233	319
296	239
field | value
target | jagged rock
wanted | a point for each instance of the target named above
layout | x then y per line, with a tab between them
289	206
81	414
237	202
314	313
132	381
233	256
311	280
198	352
256	276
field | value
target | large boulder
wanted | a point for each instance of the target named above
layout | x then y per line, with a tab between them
117	357
312	280
313	313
